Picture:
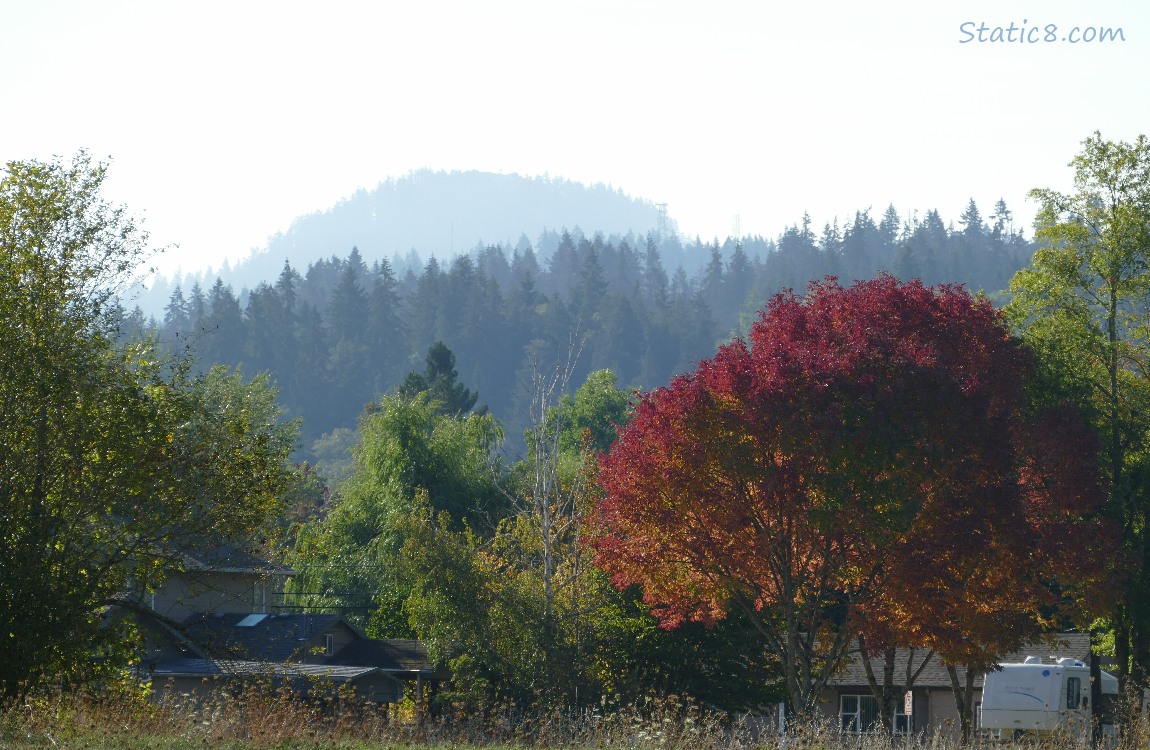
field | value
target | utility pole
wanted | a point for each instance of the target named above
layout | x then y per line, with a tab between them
663	223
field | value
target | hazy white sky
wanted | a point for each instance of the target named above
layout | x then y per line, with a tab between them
224	120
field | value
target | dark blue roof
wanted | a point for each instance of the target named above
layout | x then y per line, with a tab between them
272	637
232	637
392	655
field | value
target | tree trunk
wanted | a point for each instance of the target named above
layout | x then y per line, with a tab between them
963	700
1122	645
882	693
888	694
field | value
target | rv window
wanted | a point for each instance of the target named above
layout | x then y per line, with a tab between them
1073	692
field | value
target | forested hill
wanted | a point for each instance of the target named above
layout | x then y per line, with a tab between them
441	213
335	334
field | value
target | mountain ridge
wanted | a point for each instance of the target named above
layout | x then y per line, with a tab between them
437	213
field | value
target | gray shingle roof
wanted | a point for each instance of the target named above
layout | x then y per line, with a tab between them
236	643
392	655
273	638
853	674
233	667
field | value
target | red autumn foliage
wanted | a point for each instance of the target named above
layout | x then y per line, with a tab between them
867	464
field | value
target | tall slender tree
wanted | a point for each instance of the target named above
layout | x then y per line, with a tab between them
1084	307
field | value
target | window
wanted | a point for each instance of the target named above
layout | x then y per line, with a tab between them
859	713
1073	692
329	645
260	598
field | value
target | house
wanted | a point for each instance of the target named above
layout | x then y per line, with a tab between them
849	704
219	616
223	578
298	649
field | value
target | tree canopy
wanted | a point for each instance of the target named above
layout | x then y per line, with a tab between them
337	332
409	456
870	448
1083	307
440	380
113	460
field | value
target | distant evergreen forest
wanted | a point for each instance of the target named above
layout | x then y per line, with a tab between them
337	334
447	212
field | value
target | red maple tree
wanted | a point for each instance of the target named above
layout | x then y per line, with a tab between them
867	464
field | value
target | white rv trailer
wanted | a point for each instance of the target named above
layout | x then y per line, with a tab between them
1033	696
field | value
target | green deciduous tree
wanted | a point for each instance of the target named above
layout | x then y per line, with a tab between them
590	418
517	613
1084	307
407	449
112	461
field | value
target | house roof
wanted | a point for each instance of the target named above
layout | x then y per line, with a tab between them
853	674
229	558
164	638
229	643
273	637
391	655
245	668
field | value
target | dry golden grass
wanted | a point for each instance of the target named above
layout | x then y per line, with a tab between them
265	717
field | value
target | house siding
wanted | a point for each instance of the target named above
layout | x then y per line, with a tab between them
208	591
943	720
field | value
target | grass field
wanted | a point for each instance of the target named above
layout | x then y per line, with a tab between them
266	718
